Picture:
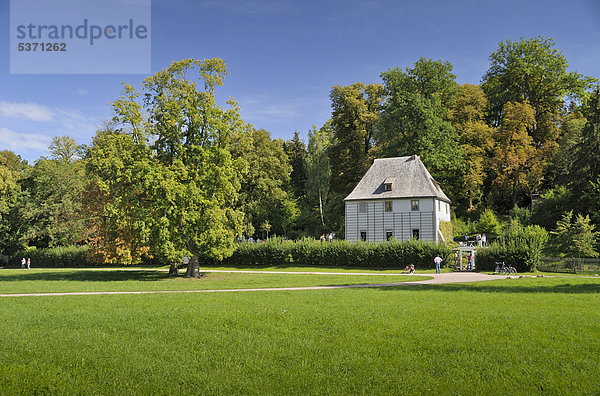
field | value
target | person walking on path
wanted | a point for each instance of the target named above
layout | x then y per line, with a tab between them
437	260
23	262
470	262
28	263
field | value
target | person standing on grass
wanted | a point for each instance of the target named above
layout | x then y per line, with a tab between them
437	260
28	263
23	262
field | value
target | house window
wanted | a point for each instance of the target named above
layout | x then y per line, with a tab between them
388	206
362	207
414	205
415	233
389	235
439	206
447	206
363	235
388	186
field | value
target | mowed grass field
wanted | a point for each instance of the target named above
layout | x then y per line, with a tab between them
514	336
78	280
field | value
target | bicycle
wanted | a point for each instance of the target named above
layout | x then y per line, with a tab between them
502	268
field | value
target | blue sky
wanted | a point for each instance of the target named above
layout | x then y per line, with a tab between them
284	56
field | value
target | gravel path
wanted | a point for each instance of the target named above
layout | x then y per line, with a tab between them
453	277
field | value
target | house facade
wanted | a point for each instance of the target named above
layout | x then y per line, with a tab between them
396	199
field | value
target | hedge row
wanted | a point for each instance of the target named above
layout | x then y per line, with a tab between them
277	252
520	247
70	256
338	254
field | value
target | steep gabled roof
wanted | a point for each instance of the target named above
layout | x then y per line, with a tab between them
411	180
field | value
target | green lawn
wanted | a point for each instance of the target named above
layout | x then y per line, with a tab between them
516	336
65	280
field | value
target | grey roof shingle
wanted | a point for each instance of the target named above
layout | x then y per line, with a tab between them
411	180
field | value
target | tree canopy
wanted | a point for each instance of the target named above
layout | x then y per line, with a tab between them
167	170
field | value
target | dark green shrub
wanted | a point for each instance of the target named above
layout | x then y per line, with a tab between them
520	247
69	256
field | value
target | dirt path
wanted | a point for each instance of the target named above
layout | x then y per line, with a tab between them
454	277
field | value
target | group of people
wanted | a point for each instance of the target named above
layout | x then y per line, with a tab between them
469	260
437	260
481	240
327	237
26	263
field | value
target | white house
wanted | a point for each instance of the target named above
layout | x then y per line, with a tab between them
396	199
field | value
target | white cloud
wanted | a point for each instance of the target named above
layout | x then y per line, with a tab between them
30	111
81	91
23	142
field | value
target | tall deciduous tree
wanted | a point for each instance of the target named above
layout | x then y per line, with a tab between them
355	113
318	174
264	195
415	119
476	140
532	70
178	185
51	214
12	168
587	163
65	149
514	154
296	151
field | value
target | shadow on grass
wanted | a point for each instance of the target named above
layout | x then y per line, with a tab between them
300	265
85	276
517	287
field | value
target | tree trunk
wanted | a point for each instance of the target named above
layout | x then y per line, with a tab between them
321	208
515	193
173	270
193	269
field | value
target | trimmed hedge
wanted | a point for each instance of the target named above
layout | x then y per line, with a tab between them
70	256
338	253
520	247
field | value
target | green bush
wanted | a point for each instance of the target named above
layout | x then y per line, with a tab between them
309	252
488	223
70	256
520	247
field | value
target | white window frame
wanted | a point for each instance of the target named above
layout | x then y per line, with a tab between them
388	204
414	205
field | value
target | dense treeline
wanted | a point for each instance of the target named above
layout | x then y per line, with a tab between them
174	174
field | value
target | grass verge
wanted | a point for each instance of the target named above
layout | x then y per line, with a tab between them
63	280
516	336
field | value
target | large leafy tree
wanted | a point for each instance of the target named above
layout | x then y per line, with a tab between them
296	151
587	163
166	177
586	171
264	195
48	210
415	119
532	70
12	168
515	158
318	174
355	114
476	140
52	214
